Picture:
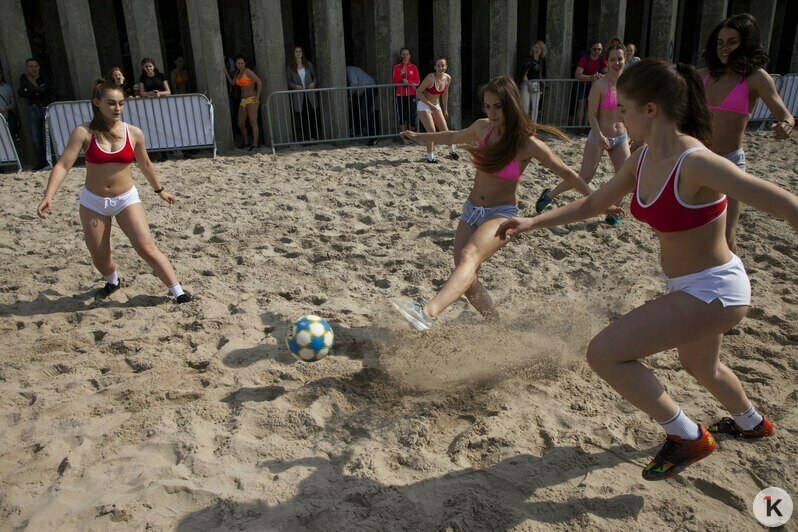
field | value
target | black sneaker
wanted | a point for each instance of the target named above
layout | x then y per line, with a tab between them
432	161
185	297
455	156
372	142
107	290
543	201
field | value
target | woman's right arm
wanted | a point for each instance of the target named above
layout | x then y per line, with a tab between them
446	137
593	102
423	87
75	143
596	203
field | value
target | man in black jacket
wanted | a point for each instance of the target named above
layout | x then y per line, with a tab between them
35	87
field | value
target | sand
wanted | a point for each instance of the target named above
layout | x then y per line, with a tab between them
136	413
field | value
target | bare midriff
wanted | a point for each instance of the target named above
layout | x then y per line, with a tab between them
610	122
491	191
728	130
686	252
108	180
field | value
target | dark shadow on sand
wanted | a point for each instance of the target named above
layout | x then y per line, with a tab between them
59	303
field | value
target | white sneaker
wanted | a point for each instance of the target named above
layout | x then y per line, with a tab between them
413	312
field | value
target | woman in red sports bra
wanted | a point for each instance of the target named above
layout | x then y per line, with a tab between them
680	190
110	146
506	144
734	79
433	106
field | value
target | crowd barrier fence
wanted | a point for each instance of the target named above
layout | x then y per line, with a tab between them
788	90
337	114
8	151
175	122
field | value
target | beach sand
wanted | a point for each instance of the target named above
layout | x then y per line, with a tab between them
136	413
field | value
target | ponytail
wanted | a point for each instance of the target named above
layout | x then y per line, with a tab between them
697	121
98	124
677	90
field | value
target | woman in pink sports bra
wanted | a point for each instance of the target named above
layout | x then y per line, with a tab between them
734	79
679	188
607	132
506	143
110	146
433	106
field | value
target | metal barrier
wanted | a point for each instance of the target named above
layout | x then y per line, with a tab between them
177	122
561	102
8	151
788	90
336	114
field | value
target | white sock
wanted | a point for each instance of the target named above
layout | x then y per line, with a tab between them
176	290
748	419
430	156
451	149
682	426
113	278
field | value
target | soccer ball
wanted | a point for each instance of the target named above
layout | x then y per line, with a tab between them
310	338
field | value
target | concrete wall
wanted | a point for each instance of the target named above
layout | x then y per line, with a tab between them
389	31
503	37
143	35
559	35
664	14
81	48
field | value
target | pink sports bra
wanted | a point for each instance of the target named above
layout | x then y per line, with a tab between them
609	101
510	172
667	212
736	101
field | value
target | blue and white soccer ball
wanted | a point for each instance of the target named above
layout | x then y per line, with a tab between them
310	338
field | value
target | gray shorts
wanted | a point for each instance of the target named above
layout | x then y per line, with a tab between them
614	141
476	215
737	157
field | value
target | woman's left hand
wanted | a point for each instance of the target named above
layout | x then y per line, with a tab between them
168	198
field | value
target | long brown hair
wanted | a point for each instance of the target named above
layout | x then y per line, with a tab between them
747	57
98	124
677	90
518	127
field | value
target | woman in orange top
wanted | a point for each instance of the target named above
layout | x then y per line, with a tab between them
250	85
179	77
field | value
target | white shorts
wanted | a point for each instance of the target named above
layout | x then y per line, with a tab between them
423	107
109	206
728	282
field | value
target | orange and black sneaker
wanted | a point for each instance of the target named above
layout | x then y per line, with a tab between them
728	426
677	454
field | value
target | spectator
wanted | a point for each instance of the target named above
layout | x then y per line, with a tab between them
533	69
8	107
35	87
117	77
152	83
250	85
179	77
301	77
407	73
591	66
631	58
361	106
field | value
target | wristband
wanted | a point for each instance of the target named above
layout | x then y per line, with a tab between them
158	191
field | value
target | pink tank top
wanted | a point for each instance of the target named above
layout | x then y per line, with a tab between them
512	171
734	102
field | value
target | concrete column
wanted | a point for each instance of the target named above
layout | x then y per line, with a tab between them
81	48
480	46
503	37
14	49
328	27
56	53
143	36
794	60
713	12
527	29
664	14
206	39
362	31
411	29
593	13
267	35
612	20
446	19
390	33
559	37
764	11
105	32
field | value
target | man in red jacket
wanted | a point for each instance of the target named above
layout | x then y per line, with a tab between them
407	73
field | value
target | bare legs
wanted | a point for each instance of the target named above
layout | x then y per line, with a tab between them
674	320
472	247
432	121
133	221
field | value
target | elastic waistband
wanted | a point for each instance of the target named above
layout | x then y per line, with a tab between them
101	198
734	154
734	260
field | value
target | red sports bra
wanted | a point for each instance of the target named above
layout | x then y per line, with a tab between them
96	155
667	212
433	89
